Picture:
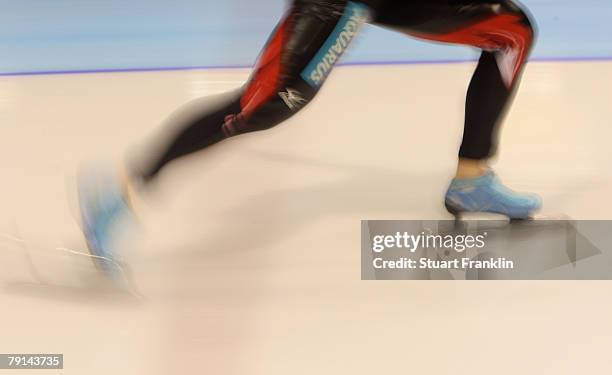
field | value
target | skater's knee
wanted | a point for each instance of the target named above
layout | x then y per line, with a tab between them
276	109
527	23
516	21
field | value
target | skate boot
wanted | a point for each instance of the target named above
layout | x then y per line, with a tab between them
105	215
487	194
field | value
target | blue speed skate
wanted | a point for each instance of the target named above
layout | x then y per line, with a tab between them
104	214
487	194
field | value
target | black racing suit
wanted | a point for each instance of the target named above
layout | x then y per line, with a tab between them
311	38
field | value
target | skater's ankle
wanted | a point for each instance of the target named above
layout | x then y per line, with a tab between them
471	168
129	187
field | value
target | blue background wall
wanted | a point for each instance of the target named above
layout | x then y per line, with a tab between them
65	35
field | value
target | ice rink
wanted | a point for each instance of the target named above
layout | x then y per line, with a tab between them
264	278
248	256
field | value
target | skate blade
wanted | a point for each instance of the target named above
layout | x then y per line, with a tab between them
482	219
120	279
488	220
